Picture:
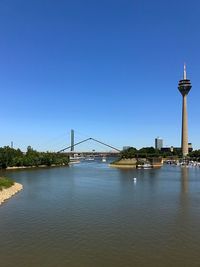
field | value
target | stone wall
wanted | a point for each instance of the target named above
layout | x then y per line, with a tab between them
7	193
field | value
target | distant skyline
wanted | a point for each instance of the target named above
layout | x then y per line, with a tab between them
107	69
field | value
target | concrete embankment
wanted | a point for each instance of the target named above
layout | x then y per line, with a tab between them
7	193
122	166
124	163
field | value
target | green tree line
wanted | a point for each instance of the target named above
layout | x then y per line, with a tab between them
152	152
144	152
10	157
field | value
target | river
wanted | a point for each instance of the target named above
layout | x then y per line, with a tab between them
91	215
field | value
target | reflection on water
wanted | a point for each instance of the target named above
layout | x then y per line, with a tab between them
184	193
184	180
92	215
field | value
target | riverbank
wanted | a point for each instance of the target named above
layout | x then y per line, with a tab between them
40	166
7	193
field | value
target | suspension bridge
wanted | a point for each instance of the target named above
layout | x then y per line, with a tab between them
113	152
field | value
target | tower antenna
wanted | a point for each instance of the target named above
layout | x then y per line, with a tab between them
184	73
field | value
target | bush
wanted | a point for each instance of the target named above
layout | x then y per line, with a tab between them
5	182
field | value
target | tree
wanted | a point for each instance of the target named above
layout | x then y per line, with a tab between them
10	157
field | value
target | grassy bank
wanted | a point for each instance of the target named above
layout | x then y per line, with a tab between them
5	182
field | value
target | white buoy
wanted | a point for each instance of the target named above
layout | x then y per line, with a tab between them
134	179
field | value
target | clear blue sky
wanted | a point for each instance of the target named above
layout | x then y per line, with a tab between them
106	68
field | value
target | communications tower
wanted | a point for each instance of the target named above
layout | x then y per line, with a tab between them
184	87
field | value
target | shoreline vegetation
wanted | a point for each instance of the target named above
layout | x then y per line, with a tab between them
8	188
5	183
151	152
11	158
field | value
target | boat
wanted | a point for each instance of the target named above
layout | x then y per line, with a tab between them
74	160
147	166
144	166
89	158
104	159
139	166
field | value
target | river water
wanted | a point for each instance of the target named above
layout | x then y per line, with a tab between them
91	215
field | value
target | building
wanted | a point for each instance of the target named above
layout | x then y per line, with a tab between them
190	148
158	143
184	87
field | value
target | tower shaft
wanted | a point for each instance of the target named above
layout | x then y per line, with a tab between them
184	139
184	87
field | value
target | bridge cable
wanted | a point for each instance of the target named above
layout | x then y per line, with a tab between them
74	145
85	140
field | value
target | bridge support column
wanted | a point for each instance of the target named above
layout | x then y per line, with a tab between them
72	140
